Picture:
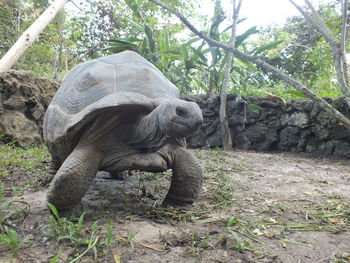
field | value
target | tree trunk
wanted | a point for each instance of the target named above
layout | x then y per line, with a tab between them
28	36
225	129
60	19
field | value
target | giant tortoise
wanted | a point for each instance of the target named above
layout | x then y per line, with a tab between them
119	113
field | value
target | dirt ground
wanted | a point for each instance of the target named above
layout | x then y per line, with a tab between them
254	207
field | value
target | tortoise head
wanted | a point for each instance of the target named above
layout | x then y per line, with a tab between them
178	118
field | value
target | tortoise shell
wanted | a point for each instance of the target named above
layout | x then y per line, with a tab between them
119	84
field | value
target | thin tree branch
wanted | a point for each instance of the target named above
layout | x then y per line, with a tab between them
343	26
237	9
343	41
318	26
257	61
320	20
338	52
75	5
225	130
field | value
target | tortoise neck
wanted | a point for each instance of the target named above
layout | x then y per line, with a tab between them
147	133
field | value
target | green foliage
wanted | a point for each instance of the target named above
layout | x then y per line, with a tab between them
9	236
63	229
78	235
303	54
12	240
28	160
4	209
8	23
104	27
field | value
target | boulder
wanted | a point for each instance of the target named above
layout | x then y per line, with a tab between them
23	102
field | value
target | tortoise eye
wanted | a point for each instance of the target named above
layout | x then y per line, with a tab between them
181	112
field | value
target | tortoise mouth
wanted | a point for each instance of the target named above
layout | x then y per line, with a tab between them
180	129
182	124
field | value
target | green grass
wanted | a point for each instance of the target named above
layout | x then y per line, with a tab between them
234	233
8	235
219	168
13	241
29	163
220	191
28	159
85	240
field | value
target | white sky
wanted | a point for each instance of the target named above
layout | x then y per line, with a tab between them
259	12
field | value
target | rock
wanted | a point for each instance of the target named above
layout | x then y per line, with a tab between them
303	139
214	140
342	149
288	138
341	105
326	148
261	137
265	102
273	122
298	119
326	119
239	120
340	132
19	128
242	141
314	112
312	145
320	132
23	101
302	105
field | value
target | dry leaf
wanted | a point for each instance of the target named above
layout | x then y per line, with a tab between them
116	257
310	193
336	220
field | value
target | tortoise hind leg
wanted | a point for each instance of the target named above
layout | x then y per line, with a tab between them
187	178
74	177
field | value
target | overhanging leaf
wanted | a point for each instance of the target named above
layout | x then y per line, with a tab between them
240	39
136	25
199	53
296	93
134	7
149	34
268	46
254	107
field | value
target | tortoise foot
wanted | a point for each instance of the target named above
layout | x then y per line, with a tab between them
176	202
73	214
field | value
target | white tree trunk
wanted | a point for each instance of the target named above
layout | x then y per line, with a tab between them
28	36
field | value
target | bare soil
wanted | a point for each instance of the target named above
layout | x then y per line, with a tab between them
254	207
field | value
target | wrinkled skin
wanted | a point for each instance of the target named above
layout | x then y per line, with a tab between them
151	143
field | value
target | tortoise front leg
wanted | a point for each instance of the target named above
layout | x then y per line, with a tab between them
187	178
55	164
74	177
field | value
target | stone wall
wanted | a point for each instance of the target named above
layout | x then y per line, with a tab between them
23	101
298	126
